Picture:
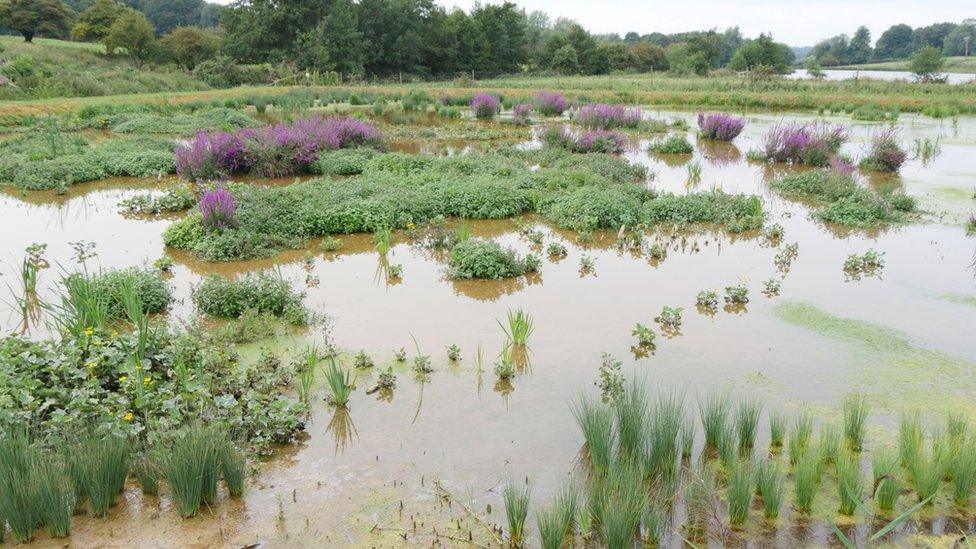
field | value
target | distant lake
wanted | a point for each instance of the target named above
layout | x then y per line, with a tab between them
846	74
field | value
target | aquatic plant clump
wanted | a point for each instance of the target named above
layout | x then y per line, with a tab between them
271	151
812	144
607	117
844	201
521	112
675	144
550	103
885	154
590	141
719	126
485	106
479	258
260	292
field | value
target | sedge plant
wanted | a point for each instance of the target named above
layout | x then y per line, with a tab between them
516	498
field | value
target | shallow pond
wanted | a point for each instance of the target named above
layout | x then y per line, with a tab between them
394	469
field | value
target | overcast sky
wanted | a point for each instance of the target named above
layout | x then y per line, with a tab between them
795	22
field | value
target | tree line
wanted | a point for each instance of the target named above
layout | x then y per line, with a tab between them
381	38
897	42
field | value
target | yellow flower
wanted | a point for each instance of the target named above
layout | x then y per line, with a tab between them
128	416
123	379
146	380
115	334
89	331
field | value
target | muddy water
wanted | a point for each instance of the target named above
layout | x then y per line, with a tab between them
367	477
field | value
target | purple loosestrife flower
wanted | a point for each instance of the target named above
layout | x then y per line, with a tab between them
485	106
813	143
884	153
605	117
275	150
841	166
551	103
719	126
521	113
217	208
559	135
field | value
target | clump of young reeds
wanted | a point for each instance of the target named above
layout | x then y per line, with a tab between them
596	422
771	485
687	436
909	437
381	240
700	501
800	435
714	417
964	472
17	494
520	327
887	488
926	470
191	464
777	429
555	522
103	466
618	501
339	382
55	496
829	443
850	485
855	418
631	411
664	431
233	467
147	472
306	365
806	479
516	498
740	478
747	421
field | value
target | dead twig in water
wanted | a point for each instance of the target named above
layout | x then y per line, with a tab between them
450	497
404	532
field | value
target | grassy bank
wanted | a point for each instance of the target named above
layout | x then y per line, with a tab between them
715	92
964	65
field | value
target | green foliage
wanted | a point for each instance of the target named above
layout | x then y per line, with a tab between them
771	484
675	144
396	189
478	258
846	203
102	465
190	46
174	199
148	284
344	161
94	23
850	485
855	417
747	421
339	382
806	479
191	464
516	498
926	63
29	17
131	32
263	292
740	478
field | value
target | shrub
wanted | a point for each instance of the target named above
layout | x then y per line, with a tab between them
601	141
885	154
606	117
262	292
675	144
478	258
550	103
813	144
272	151
521	112
719	126
147	283
485	106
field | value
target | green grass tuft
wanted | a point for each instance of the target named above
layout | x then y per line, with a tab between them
516	497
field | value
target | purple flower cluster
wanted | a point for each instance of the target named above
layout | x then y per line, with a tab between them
520	113
275	150
485	106
719	126
885	154
605	117
842	166
604	141
551	103
217	208
813	144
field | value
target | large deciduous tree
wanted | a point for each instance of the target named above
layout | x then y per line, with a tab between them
32	17
189	46
94	23
894	43
133	33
